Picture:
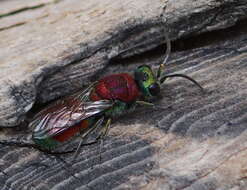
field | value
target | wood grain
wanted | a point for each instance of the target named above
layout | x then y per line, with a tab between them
199	142
49	46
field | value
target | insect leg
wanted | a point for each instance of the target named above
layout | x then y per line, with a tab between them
106	129
83	136
103	134
153	105
144	103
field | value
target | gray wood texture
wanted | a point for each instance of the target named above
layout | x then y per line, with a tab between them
47	45
195	142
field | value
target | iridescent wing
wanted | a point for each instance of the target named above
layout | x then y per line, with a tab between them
66	113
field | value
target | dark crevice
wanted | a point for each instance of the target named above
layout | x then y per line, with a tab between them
188	43
28	8
19	24
193	26
22	10
12	26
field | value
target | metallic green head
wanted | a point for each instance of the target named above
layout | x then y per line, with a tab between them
147	81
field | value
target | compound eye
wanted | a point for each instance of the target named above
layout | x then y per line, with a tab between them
141	76
154	89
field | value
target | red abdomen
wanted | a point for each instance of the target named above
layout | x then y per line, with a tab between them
71	131
116	87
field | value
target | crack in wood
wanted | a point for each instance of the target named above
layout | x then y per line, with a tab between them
22	10
12	26
27	8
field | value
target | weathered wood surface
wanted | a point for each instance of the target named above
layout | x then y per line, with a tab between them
200	142
46	45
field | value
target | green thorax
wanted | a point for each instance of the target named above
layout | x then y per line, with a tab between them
120	108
